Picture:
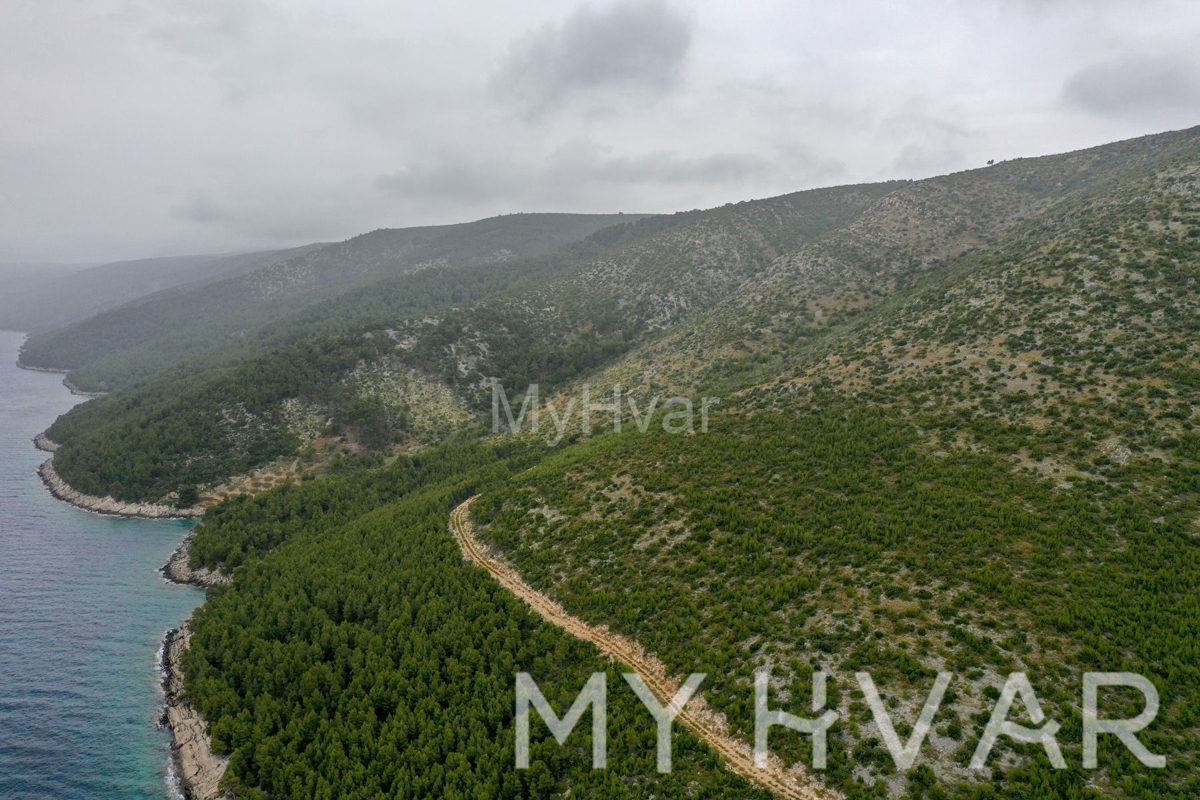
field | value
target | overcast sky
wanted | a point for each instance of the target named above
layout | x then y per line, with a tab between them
132	129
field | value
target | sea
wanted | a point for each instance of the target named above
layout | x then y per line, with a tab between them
83	610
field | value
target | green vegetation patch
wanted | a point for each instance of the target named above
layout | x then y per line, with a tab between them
832	539
358	656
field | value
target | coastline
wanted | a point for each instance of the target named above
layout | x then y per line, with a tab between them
177	570
75	390
101	505
195	771
72	388
41	369
198	771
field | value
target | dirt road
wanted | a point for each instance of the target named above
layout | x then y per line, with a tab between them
794	783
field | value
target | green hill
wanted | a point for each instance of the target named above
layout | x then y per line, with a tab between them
121	346
426	375
765	288
958	432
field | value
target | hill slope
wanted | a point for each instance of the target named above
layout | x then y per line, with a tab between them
958	432
768	284
63	299
995	469
426	376
121	346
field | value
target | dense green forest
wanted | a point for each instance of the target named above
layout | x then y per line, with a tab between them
839	563
188	430
831	537
358	656
209	345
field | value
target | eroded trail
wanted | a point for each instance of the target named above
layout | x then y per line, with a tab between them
696	717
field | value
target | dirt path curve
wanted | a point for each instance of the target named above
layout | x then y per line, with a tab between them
710	727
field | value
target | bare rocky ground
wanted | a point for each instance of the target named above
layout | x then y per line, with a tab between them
108	505
101	505
198	768
177	569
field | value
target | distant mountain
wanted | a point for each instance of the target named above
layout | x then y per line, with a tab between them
33	271
130	342
54	298
20	280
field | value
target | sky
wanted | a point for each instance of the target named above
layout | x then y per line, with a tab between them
134	129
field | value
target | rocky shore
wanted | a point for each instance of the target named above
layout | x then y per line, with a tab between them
108	505
75	390
103	505
198	769
72	388
41	369
177	569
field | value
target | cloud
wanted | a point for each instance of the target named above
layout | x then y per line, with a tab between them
449	177
584	175
136	129
929	144
583	166
630	47
589	162
199	207
198	29
1135	85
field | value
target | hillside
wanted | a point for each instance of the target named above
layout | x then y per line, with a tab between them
997	469
764	287
958	432
63	298
425	377
349	661
121	346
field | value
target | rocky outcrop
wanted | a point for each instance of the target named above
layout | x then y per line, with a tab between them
198	769
177	569
108	505
42	442
75	390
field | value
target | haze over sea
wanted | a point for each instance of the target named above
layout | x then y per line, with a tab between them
83	611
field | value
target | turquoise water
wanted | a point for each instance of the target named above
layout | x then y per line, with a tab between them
82	615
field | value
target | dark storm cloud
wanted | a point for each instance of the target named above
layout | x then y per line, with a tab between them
629	47
1136	85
